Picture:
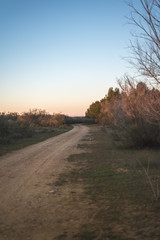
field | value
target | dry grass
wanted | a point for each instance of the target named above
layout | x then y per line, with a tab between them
117	189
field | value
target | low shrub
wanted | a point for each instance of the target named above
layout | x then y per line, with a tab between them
13	129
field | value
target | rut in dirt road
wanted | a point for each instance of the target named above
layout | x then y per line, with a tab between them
24	175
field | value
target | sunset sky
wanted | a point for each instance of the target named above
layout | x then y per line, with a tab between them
60	55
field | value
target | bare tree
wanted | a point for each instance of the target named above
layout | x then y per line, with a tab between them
139	101
146	45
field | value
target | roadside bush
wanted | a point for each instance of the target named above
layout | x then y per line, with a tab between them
140	117
141	135
40	118
11	128
5	130
57	120
22	130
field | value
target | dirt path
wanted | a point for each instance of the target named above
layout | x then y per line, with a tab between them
30	207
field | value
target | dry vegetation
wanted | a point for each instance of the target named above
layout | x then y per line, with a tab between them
134	109
20	130
133	112
117	197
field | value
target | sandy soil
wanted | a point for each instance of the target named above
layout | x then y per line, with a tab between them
31	206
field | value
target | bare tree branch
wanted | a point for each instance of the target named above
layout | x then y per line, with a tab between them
146	46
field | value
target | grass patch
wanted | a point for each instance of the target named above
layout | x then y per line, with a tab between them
85	236
116	185
39	136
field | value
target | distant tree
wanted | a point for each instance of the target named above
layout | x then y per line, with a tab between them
78	120
112	94
108	107
94	110
57	120
102	110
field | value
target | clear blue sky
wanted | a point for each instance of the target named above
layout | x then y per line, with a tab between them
60	55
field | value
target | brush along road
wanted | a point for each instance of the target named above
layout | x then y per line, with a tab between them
27	200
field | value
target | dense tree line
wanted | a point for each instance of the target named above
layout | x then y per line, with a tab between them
79	120
134	112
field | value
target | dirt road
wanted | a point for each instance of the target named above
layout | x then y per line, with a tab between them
30	207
